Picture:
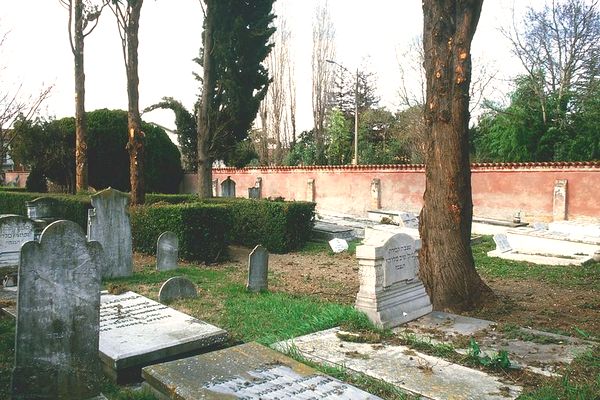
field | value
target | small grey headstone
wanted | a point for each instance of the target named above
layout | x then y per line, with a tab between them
502	244
258	269
167	251
14	231
338	245
58	310
176	288
409	220
42	208
108	223
254	193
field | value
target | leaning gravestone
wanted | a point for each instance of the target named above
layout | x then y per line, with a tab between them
176	288
56	352
502	244
247	371
338	245
167	251
258	269
390	291
14	231
108	223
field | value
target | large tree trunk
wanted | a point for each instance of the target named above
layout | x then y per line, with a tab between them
205	124
81	169
446	260
135	143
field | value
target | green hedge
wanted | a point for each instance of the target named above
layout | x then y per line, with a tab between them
280	226
202	229
73	208
152	198
12	189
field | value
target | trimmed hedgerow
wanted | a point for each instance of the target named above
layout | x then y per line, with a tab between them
280	226
152	198
73	208
202	229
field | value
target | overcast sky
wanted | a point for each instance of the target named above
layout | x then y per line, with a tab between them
36	52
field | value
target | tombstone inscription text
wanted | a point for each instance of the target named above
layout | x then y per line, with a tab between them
399	260
14	231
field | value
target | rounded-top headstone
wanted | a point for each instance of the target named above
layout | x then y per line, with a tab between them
167	251
176	288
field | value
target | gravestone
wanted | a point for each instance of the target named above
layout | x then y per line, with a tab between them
376	194
228	187
136	331
254	193
14	231
167	251
390	291
56	352
258	269
408	220
108	223
247	371
559	200
338	245
176	288
502	244
42	211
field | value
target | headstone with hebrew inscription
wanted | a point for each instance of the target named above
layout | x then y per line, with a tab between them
390	291
258	269
108	223
167	251
338	245
136	331
247	371
56	353
175	288
14	231
42	211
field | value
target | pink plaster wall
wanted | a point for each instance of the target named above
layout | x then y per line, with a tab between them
499	190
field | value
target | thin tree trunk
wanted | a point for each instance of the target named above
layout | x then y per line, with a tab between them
205	123
135	144
446	260
81	168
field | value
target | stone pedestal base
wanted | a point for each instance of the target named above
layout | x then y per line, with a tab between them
400	303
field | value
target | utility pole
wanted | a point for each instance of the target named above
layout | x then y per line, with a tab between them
355	158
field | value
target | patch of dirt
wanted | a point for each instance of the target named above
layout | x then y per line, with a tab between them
526	303
543	306
330	277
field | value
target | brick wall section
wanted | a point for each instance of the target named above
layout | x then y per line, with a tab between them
499	190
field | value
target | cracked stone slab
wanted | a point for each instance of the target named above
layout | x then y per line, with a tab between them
409	370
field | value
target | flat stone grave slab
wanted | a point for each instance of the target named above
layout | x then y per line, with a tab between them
328	231
541	354
403	367
136	331
248	371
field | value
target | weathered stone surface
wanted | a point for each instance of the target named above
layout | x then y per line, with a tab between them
56	354
338	245
176	288
136	331
258	269
167	251
502	244
42	208
108	223
390	292
14	231
409	370
248	371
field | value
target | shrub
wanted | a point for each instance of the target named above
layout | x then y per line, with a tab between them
73	208
280	226
202	229
36	181
152	198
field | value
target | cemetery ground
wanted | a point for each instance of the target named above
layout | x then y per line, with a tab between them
314	289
